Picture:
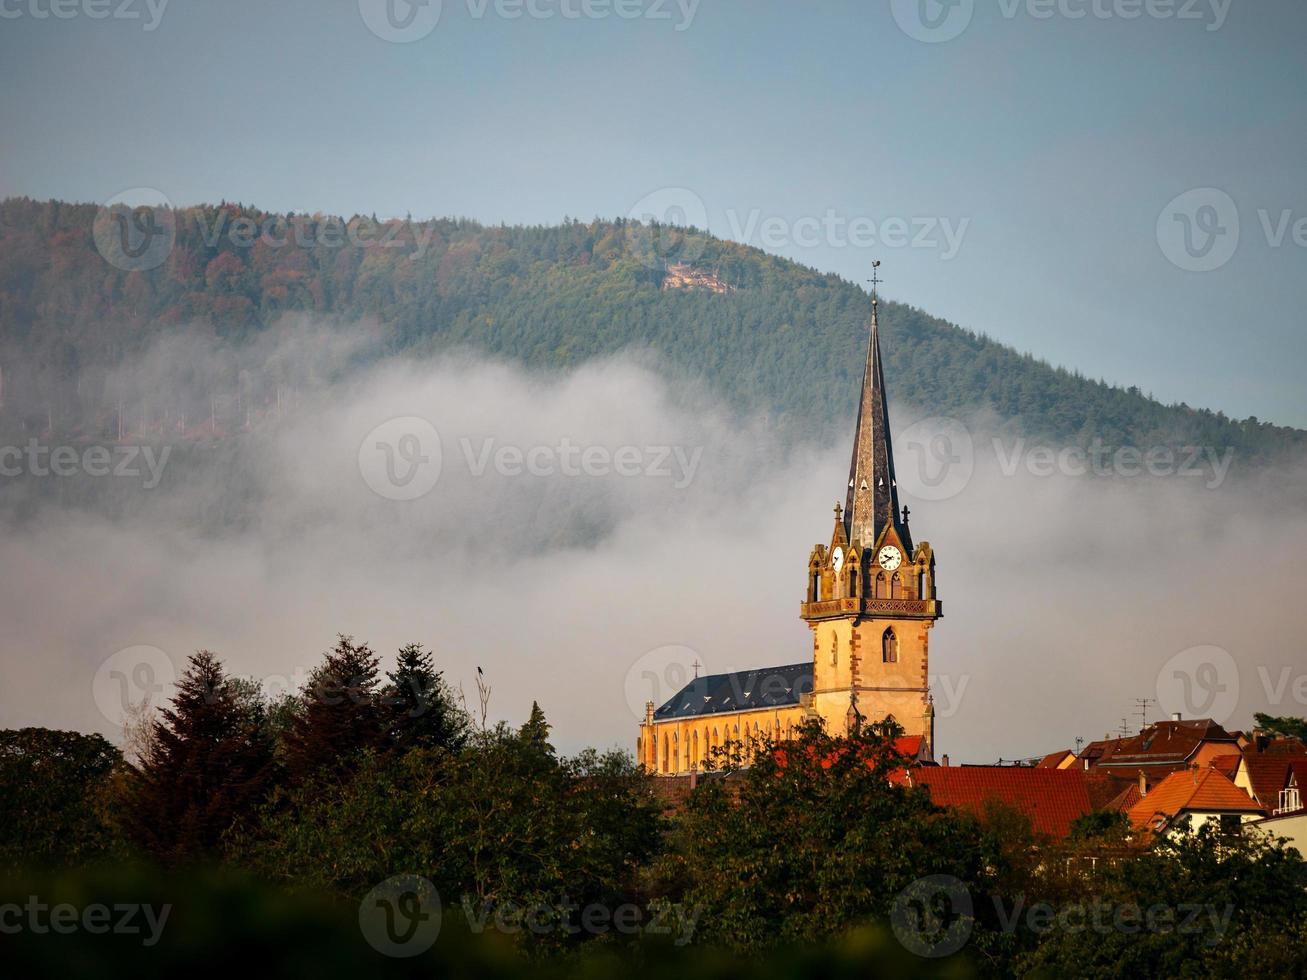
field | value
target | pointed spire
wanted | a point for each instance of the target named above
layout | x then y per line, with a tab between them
872	492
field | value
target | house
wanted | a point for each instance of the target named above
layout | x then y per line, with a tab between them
1162	748
1289	818
1201	795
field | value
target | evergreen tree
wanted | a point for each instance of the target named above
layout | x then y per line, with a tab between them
535	732
421	710
341	712
206	762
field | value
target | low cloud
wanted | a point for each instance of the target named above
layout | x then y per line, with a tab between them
556	572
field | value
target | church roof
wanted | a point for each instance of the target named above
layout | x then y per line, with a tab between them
743	690
872	498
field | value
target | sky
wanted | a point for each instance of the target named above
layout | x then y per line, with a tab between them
1113	185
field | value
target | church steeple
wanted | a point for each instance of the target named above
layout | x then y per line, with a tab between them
872	499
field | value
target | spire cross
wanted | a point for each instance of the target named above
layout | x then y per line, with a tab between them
875	281
696	665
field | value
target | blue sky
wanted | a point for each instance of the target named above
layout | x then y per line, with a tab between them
1034	157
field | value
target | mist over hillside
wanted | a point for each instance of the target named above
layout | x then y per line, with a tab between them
82	312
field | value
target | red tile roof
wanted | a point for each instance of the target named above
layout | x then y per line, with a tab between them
1268	773
1197	791
1227	765
1051	798
1166	746
1054	760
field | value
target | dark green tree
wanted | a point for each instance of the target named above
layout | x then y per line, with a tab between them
535	731
421	708
1286	727
206	762
340	714
52	795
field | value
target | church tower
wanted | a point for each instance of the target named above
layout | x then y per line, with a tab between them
871	599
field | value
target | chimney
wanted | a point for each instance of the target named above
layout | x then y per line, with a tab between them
1263	740
944	761
1175	716
694	778
1143	783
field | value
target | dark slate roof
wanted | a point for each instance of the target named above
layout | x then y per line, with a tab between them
744	690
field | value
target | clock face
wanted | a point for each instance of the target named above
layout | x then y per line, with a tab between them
890	558
837	559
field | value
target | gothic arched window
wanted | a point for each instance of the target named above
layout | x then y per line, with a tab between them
890	647
880	585
896	587
853	583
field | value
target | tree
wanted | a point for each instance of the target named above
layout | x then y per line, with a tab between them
207	761
1286	727
814	838
51	789
340	712
421	708
535	731
496	823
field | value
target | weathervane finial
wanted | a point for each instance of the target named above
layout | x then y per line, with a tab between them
875	281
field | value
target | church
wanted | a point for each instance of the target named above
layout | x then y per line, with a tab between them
869	602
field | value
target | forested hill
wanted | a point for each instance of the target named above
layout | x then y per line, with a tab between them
765	333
